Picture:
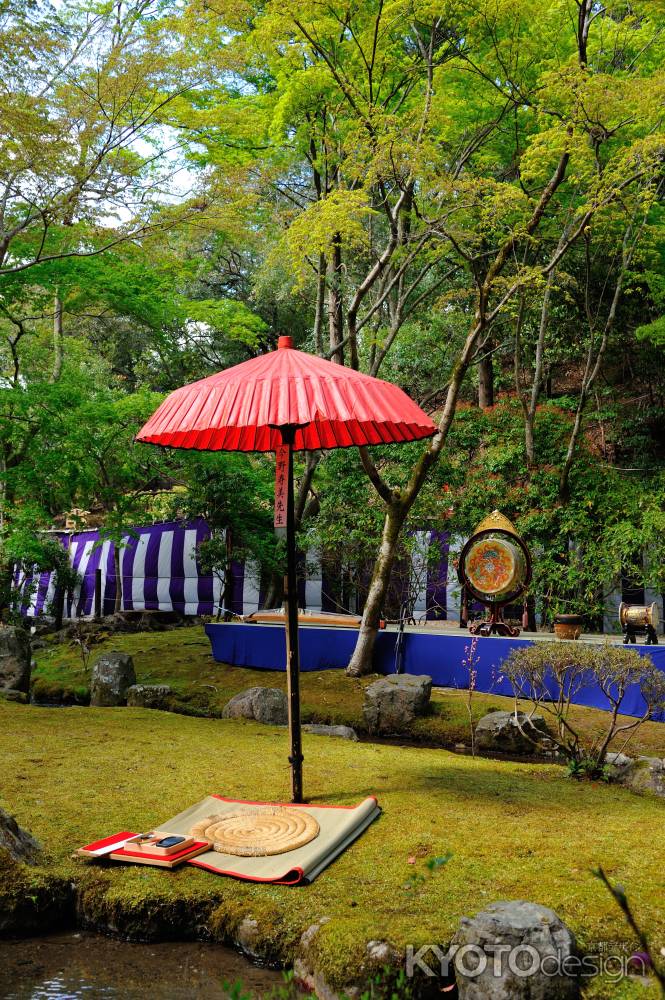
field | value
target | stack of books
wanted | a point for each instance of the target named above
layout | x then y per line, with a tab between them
159	848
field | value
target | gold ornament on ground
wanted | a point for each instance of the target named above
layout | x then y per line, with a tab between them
256	833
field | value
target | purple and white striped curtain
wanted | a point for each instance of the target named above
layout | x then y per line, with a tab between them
158	566
160	573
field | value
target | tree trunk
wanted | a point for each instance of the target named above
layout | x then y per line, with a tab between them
275	593
58	345
361	661
3	490
593	367
59	606
399	504
530	440
117	607
486	382
320	303
564	479
301	504
536	385
397	509
335	318
227	595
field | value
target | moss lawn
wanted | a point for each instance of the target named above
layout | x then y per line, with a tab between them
516	830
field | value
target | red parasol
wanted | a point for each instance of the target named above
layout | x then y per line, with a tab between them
287	398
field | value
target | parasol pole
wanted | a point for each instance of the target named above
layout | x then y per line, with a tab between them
291	611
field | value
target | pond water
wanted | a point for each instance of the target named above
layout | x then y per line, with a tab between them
72	965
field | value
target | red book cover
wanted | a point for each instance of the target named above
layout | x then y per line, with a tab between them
195	847
99	845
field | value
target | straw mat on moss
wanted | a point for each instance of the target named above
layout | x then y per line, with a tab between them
260	832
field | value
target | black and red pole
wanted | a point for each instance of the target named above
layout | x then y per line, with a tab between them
291	612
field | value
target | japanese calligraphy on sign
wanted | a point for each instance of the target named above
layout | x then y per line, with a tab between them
281	485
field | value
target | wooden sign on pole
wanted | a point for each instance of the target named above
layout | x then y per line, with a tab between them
281	485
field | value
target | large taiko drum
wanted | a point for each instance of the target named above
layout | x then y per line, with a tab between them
494	564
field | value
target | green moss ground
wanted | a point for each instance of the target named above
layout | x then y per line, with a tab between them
182	659
525	831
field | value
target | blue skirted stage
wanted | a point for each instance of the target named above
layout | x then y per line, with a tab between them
439	654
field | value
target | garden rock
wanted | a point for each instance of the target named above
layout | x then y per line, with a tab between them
267	705
123	622
393	702
149	696
112	675
499	731
248	938
343	732
646	774
538	949
15	663
20	844
306	975
11	694
618	764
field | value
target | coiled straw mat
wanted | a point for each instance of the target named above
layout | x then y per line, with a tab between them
259	832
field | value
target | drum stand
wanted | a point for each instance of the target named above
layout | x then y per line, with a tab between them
630	635
495	625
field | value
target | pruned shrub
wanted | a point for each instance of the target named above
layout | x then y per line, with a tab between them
553	675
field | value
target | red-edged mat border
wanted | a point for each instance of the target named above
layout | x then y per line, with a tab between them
297	873
293	805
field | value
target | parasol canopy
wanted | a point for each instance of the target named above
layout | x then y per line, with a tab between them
242	408
287	401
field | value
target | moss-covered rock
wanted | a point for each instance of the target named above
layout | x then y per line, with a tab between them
19	844
32	900
646	775
44	691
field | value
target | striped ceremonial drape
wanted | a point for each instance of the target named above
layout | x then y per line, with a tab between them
160	572
158	566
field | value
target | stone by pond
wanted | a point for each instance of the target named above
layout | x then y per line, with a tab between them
641	774
526	944
20	844
149	696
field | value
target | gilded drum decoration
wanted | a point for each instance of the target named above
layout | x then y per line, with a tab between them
495	568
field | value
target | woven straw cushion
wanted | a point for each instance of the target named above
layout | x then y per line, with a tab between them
259	832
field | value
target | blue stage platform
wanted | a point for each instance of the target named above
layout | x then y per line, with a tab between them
439	654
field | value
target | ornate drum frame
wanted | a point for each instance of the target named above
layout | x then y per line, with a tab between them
495	524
